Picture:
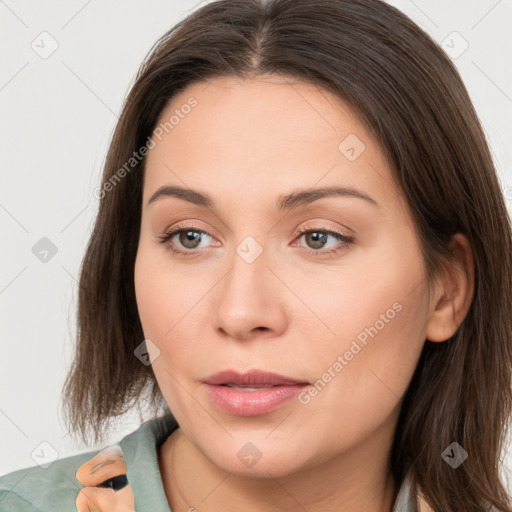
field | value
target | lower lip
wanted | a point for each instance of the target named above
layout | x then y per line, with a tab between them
252	403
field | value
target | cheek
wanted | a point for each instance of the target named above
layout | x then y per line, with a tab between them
164	291
172	310
375	294
376	318
149	287
162	306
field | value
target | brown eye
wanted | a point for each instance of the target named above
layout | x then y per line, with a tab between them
185	240
316	239
190	239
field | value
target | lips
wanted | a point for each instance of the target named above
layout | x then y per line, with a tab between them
252	393
252	378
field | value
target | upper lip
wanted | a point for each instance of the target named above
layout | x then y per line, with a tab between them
251	378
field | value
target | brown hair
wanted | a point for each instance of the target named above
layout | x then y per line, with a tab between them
411	97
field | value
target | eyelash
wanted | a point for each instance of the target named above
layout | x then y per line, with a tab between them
347	241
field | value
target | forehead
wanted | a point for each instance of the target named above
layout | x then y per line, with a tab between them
263	136
269	110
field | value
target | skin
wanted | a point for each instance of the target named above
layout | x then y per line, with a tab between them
289	311
107	464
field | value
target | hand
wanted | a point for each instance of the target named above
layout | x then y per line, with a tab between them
107	464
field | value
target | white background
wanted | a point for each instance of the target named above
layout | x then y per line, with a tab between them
57	115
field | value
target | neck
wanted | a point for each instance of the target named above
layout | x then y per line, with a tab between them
352	481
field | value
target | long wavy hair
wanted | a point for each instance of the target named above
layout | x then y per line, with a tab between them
410	96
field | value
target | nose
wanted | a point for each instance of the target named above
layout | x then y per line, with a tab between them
250	300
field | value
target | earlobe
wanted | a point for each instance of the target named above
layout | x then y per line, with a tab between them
453	292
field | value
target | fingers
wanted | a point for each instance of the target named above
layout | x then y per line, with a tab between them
107	464
97	499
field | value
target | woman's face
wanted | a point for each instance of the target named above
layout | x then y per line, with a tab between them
340	309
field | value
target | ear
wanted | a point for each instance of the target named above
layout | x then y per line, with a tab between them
453	292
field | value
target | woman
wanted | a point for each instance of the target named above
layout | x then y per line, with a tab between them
302	255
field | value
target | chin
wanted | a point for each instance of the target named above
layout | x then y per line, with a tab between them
256	459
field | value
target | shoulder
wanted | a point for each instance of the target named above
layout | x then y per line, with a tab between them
42	489
71	482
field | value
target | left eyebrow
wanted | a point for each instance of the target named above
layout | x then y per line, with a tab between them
301	197
287	202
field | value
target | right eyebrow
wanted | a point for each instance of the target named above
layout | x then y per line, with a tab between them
187	194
